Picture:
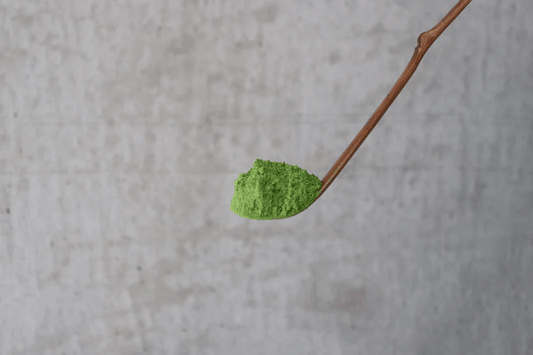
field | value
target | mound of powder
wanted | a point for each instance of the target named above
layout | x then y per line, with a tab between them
272	190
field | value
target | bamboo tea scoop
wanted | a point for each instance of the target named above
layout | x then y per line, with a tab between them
425	40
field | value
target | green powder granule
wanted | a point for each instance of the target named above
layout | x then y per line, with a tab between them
272	190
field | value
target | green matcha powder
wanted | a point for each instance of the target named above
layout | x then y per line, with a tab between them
272	190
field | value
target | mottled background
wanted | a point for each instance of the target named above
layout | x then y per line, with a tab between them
123	125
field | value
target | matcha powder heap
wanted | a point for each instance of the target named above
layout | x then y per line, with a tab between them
272	190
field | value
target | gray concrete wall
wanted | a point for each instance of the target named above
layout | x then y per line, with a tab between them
125	123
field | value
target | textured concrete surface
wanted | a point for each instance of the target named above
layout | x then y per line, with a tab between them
123	125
